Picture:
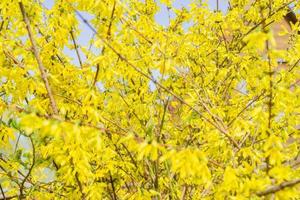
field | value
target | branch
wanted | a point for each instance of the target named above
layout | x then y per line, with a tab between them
10	56
112	187
163	119
7	198
2	192
76	48
96	75
276	188
294	65
30	169
108	34
57	56
246	107
183	192
79	185
39	61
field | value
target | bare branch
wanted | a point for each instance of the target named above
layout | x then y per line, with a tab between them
10	56
108	34
183	193
294	65
246	107
39	61
7	198
76	48
2	192
79	185
276	188
113	187
30	169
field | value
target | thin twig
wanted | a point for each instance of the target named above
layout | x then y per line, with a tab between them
69	99
76	48
163	119
246	107
108	34
2	192
113	187
39	61
57	55
294	65
183	193
9	55
111	20
17	143
97	74
276	188
30	169
79	185
7	198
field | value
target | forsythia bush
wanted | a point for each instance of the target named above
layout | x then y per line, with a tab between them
197	109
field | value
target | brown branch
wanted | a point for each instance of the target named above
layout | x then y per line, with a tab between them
163	119
135	30
111	20
108	34
97	74
183	193
215	163
7	198
79	185
245	108
244	139
224	38
30	169
47	40
39	61
216	118
69	99
2	192
113	187
270	72
276	188
76	48
1	26
15	61
294	65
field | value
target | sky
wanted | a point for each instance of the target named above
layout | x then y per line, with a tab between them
161	17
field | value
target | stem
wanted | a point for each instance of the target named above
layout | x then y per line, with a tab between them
183	193
108	34
7	198
2	192
39	61
276	188
30	169
79	185
76	48
112	187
